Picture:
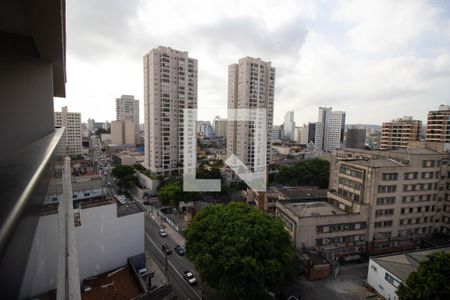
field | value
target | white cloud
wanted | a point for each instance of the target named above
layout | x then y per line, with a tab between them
374	59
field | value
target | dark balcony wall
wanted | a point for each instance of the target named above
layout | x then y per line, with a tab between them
26	93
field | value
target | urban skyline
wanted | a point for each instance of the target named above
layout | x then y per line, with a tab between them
302	44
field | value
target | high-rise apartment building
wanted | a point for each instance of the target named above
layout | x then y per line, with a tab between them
304	134
170	85
251	85
289	125
220	127
438	125
397	133
329	133
72	135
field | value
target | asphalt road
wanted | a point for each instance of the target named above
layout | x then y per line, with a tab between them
176	264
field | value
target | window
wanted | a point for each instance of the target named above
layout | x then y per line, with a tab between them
390	176
411	176
387	188
389	278
428	163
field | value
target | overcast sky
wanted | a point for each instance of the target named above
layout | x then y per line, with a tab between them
376	60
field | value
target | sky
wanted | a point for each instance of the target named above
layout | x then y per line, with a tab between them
375	60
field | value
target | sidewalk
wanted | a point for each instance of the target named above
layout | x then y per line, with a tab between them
178	238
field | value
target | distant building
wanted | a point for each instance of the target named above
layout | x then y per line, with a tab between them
127	108
123	132
289	126
204	129
397	133
355	138
220	127
330	128
386	273
251	85
297	136
304	134
72	135
170	85
276	133
438	124
91	124
311	133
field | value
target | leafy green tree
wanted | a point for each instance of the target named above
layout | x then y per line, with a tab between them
430	281
239	250
171	193
128	181
309	172
122	171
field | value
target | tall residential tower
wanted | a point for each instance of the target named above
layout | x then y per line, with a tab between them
251	85
170	85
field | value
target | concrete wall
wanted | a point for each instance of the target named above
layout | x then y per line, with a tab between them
150	185
376	279
103	241
27	92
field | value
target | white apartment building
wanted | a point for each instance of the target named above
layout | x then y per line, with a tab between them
330	128
304	133
289	125
251	85
170	85
73	134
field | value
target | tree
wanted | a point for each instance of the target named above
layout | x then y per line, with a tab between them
239	250
121	171
309	172
126	175
430	281
171	193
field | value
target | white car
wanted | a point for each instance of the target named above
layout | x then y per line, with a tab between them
162	233
190	278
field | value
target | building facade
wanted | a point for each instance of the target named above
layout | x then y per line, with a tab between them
123	132
72	135
397	133
438	125
355	138
329	130
289	126
251	85
220	127
404	189
127	108
170	85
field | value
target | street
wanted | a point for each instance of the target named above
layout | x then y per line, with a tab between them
176	264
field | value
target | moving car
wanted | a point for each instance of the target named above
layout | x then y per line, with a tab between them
166	249
190	277
162	233
180	250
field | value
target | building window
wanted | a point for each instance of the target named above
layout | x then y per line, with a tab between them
428	163
390	176
387	188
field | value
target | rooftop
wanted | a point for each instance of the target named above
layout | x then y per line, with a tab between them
313	209
377	163
401	265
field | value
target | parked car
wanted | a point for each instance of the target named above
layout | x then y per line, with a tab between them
190	277
162	233
180	250
166	249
